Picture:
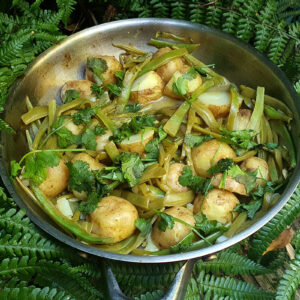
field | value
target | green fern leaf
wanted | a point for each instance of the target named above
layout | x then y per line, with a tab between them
213	16
67	6
178	10
290	280
150	295
5	127
227	286
297	86
274	259
161	9
6	203
196	12
231	17
231	263
264	237
296	241
89	269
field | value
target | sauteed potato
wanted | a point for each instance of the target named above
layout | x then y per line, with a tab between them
155	153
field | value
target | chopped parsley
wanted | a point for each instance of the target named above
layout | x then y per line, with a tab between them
114	89
221	166
97	90
71	95
84	115
196	140
98	66
132	108
206	226
166	221
144	226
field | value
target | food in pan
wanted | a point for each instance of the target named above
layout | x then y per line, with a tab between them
155	153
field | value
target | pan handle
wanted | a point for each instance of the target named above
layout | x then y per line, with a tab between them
176	291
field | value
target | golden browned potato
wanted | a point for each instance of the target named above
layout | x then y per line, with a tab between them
102	140
136	143
255	163
147	88
218	102
109	77
231	184
56	181
83	86
70	125
114	218
170	237
208	154
192	84
167	70
218	205
94	165
174	172
243	118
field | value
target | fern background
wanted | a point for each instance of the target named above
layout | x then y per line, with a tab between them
35	266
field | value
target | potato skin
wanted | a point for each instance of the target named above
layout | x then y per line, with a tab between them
70	125
134	143
56	181
114	218
231	185
170	237
174	172
218	205
147	88
102	140
109	77
243	118
84	86
255	163
167	70
203	155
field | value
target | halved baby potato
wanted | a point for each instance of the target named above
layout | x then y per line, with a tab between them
70	125
83	86
56	181
109	77
174	172
218	205
137	142
167	70
147	88
102	140
193	84
230	185
217	102
208	154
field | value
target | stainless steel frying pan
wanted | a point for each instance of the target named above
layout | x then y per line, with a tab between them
234	59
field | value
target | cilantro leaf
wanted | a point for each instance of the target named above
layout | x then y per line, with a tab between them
270	146
152	149
202	69
206	226
80	177
98	66
222	165
100	130
250	208
161	134
133	127
70	95
132	108
97	90
132	167
37	163
166	221
196	140
83	115
120	77
114	89
144	226
180	86
239	139
196	183
89	139
90	204
110	173
14	168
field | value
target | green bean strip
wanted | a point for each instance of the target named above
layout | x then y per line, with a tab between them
66	223
130	49
168	35
272	168
201	89
258	111
107	122
161	60
112	150
29	139
51	114
234	109
34	114
207	132
205	113
277	104
269	131
240	219
272	113
30	107
162	44
65	107
42	130
244	156
262	137
278	159
118	246
279	127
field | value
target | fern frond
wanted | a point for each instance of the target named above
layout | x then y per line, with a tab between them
274	259
296	241
33	293
213	16
209	285
135	279
196	13
6	203
67	6
52	273
231	263
290	280
150	295
14	221
264	237
178	10
231	17
89	269
297	86
161	9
